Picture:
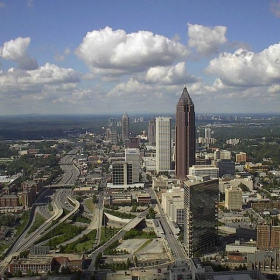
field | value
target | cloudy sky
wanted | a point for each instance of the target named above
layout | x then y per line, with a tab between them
92	57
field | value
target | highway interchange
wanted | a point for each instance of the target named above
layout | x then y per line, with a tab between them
61	198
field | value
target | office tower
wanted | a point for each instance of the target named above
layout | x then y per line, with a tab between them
132	156
207	135
185	135
233	198
163	143
207	132
268	237
113	132
125	127
122	173
201	221
241	157
152	131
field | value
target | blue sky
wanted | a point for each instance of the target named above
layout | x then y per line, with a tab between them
84	57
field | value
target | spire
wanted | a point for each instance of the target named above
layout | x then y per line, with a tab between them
185	98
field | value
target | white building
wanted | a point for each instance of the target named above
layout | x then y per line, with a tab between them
233	198
132	155
222	154
173	205
201	170
163	144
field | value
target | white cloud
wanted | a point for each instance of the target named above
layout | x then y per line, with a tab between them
116	53
275	8
274	89
169	75
244	68
206	40
15	50
18	82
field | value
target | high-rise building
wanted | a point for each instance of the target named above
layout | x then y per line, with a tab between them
241	157
122	173
125	127
163	143
112	132
268	237
233	198
207	135
201	220
185	135
152	131
132	156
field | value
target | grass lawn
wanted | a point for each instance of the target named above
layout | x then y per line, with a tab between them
107	233
89	204
83	244
23	222
39	220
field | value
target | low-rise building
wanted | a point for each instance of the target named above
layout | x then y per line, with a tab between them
9	200
144	198
35	264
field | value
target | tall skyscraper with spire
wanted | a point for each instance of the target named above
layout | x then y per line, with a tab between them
125	127
185	135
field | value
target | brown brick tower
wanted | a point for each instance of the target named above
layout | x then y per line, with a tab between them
185	135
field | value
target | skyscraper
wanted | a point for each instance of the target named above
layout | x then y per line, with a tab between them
163	143
152	131
113	132
132	156
185	135
200	214
125	127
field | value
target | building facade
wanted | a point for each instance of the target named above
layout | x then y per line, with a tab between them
163	143
125	127
152	131
202	170
132	155
233	198
201	223
185	135
122	173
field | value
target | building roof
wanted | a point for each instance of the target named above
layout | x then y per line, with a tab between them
185	98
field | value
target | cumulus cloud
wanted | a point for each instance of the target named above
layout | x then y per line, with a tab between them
275	8
16	81
15	50
114	52
169	75
244	68
206	40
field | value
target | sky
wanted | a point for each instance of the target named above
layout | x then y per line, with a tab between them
136	56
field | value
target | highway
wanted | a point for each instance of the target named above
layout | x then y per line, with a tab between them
60	200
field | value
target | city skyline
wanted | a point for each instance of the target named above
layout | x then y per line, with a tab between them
114	57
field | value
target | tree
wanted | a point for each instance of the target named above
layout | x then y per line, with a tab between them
18	273
94	199
128	263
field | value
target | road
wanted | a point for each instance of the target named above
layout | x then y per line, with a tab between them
25	240
175	246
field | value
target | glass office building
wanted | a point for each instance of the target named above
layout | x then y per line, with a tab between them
201	216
